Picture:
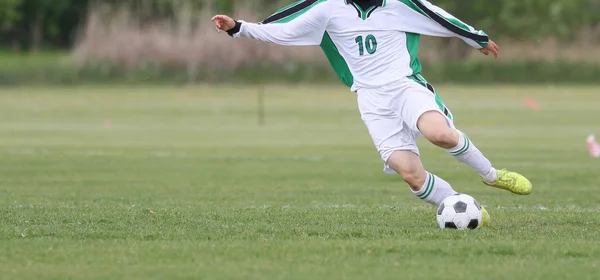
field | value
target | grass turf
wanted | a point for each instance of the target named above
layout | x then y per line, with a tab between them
176	183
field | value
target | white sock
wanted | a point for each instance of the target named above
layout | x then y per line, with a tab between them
435	190
467	153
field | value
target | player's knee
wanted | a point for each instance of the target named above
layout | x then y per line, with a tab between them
413	177
408	165
445	138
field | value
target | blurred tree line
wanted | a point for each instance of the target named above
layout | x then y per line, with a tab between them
32	24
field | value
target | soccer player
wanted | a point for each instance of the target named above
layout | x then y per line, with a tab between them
373	46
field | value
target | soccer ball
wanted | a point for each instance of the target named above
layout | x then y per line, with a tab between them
459	211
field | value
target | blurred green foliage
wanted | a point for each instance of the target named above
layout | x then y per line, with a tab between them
24	23
54	23
45	68
9	13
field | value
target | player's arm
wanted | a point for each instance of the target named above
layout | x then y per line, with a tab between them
422	17
305	29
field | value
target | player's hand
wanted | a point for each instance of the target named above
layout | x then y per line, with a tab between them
223	22
491	48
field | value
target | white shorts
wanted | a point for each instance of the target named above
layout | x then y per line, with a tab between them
391	114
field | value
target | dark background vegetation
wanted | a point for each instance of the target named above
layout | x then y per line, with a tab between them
74	41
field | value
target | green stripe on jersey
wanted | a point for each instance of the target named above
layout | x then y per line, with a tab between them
412	45
456	22
439	17
412	5
289	6
337	61
297	14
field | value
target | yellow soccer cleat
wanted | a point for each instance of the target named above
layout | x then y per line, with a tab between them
485	218
512	182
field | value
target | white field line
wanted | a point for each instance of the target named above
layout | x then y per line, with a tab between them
564	208
157	154
213	127
425	207
315	158
506	131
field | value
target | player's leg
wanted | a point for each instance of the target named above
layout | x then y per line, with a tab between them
437	127
396	143
423	184
433	125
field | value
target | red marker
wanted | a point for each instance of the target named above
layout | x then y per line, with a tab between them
532	104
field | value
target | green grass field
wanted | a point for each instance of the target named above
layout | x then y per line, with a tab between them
182	183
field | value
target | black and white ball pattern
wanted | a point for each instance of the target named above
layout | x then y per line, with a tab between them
459	211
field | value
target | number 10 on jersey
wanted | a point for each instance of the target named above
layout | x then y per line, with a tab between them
370	43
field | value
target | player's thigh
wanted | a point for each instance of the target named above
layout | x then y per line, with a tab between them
381	114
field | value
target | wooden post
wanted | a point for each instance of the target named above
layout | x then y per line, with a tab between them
260	102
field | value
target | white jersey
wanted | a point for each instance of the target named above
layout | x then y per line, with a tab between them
367	48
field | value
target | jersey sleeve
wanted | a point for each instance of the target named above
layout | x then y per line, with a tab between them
422	17
305	27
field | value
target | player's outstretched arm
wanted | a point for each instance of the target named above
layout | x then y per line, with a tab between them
422	17
304	29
